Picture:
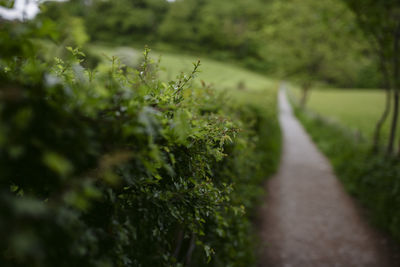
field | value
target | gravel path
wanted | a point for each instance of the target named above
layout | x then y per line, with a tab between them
307	219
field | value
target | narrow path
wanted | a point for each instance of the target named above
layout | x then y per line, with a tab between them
307	219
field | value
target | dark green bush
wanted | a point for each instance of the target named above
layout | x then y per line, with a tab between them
117	168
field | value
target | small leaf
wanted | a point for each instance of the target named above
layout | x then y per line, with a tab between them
57	163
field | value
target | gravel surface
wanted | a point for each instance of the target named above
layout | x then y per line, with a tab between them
308	219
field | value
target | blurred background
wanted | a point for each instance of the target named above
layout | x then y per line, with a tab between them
279	39
314	45
339	59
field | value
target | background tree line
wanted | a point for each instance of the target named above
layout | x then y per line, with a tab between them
305	41
380	23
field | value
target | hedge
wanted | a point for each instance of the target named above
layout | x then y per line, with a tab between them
118	168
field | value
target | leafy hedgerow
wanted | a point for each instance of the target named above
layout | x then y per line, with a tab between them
117	168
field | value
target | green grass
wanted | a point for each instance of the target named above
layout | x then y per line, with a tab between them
358	110
223	76
220	75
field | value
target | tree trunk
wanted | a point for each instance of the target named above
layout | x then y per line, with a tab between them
396	59
396	91
192	246
305	92
180	237
394	122
385	114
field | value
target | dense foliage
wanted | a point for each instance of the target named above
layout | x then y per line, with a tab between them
113	167
313	41
380	22
316	41
372	179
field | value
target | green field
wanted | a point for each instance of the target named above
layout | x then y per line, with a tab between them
219	74
359	110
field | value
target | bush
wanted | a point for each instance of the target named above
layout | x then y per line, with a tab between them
117	168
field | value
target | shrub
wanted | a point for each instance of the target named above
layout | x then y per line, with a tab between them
117	168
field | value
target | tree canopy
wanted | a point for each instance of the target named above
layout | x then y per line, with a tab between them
305	40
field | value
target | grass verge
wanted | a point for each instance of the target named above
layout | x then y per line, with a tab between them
356	109
373	179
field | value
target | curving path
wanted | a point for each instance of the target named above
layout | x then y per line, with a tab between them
307	219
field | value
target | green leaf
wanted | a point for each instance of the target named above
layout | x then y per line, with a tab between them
57	163
7	3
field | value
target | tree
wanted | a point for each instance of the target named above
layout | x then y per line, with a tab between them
226	26
380	22
122	20
231	25
310	41
180	23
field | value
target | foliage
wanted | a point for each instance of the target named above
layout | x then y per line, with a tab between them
301	40
134	19
314	40
372	179
311	39
218	25
121	21
7	3
380	22
179	25
117	168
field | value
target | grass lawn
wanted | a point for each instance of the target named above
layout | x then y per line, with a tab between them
221	75
356	109
243	85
